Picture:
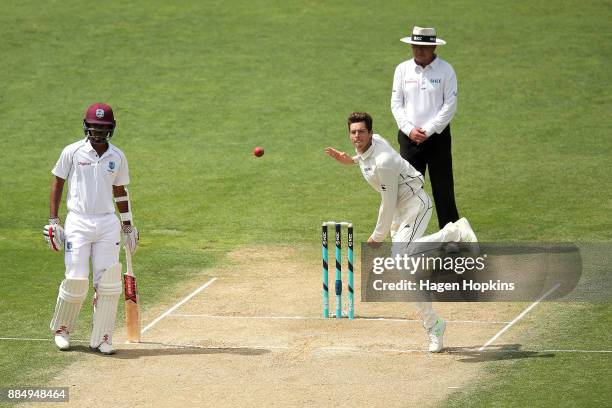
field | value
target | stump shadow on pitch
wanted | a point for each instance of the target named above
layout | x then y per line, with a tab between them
495	353
173	350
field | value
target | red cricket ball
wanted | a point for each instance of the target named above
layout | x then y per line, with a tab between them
258	151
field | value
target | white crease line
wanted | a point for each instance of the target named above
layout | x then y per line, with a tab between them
519	317
381	319
218	347
179	304
369	351
574	351
461	351
244	317
475	321
23	339
402	351
50	339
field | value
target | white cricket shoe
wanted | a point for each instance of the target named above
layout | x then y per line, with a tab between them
105	347
467	235
436	335
62	338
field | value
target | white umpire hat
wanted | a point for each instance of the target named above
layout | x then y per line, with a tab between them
423	36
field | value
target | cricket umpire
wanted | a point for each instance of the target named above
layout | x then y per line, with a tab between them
97	173
423	102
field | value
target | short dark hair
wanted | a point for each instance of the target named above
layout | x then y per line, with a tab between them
357	117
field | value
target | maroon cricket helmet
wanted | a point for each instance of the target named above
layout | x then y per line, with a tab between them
99	114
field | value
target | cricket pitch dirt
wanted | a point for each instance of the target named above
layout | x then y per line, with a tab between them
254	338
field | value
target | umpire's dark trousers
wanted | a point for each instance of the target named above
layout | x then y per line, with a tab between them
435	152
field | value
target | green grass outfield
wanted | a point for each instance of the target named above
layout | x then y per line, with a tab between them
196	86
550	378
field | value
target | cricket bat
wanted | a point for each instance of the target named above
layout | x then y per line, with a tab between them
132	314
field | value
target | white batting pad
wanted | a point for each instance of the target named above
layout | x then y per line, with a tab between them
105	309
72	293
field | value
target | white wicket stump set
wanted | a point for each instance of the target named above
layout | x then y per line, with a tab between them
338	282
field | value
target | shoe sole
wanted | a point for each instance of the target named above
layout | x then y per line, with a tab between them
97	350
471	239
467	229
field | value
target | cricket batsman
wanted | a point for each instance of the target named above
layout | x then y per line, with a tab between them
97	172
405	207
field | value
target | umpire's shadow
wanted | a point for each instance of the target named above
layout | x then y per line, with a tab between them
495	353
167	349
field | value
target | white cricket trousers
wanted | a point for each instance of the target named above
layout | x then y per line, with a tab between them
407	237
91	236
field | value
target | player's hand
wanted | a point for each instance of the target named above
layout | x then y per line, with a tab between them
342	157
374	244
418	135
54	234
130	238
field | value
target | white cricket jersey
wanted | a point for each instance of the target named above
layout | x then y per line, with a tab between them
91	178
394	178
424	97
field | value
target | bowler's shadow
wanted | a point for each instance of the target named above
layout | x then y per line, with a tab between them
495	353
167	349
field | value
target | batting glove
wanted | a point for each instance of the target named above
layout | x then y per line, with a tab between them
130	238
54	234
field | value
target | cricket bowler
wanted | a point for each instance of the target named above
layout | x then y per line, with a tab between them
97	173
405	208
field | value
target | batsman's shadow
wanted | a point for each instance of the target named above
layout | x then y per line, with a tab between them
496	353
168	349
